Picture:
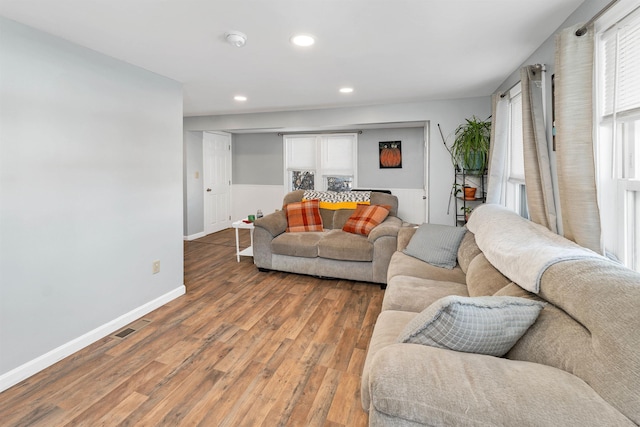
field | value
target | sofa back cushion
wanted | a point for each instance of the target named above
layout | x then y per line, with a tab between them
467	250
591	329
385	199
483	279
335	219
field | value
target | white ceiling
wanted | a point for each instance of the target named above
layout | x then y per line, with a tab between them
387	50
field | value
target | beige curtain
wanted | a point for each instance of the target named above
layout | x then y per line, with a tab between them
537	168
498	147
574	138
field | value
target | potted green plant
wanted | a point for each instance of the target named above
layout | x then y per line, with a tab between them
471	146
467	211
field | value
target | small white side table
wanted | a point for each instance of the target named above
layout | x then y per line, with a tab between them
248	226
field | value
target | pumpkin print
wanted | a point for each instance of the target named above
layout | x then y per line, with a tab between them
390	155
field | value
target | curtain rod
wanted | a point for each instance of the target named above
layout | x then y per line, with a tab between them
504	93
359	132
583	30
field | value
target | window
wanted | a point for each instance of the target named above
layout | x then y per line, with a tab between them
618	137
516	195
321	162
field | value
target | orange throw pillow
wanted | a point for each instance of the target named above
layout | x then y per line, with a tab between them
303	216
365	218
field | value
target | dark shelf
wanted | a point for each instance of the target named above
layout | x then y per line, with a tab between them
460	178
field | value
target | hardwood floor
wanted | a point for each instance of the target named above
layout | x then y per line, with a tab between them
241	348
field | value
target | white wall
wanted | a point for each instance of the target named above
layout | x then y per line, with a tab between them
90	194
448	113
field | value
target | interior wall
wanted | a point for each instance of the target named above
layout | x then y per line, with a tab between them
90	191
448	113
193	194
258	159
411	175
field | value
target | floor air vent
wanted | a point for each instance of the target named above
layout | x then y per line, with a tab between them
135	326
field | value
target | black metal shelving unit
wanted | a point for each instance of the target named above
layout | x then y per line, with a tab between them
465	177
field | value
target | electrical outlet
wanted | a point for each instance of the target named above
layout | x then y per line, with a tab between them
155	267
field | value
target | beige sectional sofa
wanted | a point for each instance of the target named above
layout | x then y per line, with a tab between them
332	252
577	365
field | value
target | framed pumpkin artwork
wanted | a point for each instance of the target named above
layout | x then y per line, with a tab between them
390	154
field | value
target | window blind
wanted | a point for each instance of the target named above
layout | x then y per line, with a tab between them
621	60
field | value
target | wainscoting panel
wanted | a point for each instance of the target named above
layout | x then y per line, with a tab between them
411	205
247	199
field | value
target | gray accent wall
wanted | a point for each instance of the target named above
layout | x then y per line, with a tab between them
448	113
90	191
411	175
258	159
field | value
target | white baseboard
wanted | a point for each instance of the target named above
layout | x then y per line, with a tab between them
195	236
38	364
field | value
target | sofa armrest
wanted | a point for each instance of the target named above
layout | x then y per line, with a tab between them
404	236
388	227
275	223
384	238
265	230
435	386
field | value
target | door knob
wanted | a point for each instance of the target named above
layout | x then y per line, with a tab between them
208	190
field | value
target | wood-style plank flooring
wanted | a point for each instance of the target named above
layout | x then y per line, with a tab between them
241	348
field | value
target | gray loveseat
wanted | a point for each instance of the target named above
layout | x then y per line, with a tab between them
332	252
577	365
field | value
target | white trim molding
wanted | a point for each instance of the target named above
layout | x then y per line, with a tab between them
195	236
36	365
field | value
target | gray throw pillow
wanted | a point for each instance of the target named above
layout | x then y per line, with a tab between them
436	244
484	325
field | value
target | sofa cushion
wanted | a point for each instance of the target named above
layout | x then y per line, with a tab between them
416	385
590	328
336	244
385	332
483	279
303	216
513	290
467	251
404	236
406	293
486	325
297	244
327	218
436	244
405	265
340	217
365	218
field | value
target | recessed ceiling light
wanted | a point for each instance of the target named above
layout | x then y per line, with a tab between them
346	89
303	40
240	98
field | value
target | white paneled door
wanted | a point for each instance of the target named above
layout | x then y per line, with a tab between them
216	176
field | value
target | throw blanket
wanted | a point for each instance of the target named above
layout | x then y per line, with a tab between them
520	249
344	200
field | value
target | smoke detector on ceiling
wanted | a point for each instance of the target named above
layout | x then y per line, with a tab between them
235	38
